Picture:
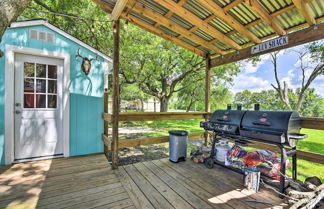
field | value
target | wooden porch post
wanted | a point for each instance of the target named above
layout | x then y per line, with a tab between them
115	118
207	93
106	148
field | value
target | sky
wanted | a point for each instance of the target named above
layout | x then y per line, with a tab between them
260	76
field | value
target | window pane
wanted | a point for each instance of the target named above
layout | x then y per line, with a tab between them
40	71
28	100
29	69
29	85
40	86
40	101
52	71
51	99
52	87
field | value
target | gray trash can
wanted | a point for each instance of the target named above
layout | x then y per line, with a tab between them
178	145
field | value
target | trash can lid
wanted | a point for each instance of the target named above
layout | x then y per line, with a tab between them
179	133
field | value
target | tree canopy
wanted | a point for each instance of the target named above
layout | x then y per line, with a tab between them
148	64
310	65
313	104
153	67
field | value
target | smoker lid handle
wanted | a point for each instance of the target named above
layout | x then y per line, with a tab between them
297	136
222	119
258	123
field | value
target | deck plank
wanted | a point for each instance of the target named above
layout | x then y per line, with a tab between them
39	177
177	187
60	189
100	202
219	192
80	199
157	200
77	182
231	185
126	203
49	170
131	207
76	194
192	185
58	184
89	182
134	192
223	192
226	176
54	163
163	188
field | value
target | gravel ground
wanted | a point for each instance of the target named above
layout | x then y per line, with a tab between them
151	152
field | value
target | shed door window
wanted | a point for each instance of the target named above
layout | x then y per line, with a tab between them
40	85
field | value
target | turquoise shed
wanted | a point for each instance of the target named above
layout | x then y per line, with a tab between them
50	102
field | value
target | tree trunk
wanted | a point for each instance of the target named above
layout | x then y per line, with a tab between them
142	105
285	96
164	102
154	105
189	106
9	11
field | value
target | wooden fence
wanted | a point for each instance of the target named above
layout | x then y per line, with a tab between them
310	123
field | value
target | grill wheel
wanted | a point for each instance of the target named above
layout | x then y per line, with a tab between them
209	163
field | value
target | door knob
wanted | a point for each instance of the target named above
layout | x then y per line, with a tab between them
17	112
17	104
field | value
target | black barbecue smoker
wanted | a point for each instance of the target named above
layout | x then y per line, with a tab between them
279	128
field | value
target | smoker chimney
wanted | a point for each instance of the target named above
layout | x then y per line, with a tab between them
256	106
239	107
229	107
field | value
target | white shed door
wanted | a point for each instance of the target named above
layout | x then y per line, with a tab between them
38	107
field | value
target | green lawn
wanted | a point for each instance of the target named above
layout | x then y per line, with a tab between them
314	142
164	126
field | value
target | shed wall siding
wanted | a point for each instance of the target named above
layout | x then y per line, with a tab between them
86	92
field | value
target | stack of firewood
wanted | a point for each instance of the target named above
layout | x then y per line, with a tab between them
199	155
306	195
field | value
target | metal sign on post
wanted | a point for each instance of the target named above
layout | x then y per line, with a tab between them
274	43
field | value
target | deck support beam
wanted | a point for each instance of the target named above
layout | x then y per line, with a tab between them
222	14
118	9
207	93
195	20
257	8
106	147
115	118
161	20
304	9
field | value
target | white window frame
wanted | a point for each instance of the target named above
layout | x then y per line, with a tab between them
10	92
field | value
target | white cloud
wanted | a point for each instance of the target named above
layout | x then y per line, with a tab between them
290	82
251	83
318	84
295	82
295	75
247	78
291	73
308	61
247	67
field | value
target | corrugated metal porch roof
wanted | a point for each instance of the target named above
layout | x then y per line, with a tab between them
215	29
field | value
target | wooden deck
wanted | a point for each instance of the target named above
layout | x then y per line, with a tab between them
76	182
162	184
89	182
